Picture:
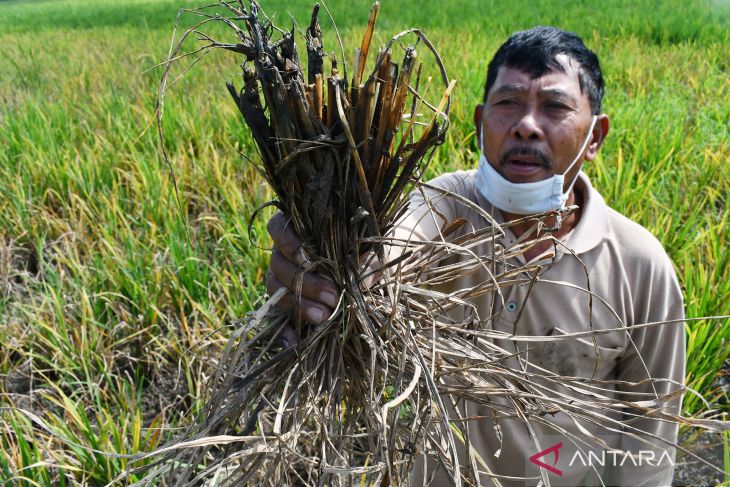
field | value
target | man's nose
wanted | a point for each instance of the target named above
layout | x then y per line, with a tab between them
527	127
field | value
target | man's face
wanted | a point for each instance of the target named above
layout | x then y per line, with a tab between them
533	128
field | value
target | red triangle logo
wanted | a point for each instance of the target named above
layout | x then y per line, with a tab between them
553	449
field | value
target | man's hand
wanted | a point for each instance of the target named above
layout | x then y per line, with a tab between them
287	265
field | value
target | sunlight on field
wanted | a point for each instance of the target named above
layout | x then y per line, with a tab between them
109	317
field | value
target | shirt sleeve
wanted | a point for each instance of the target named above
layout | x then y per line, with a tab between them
654	352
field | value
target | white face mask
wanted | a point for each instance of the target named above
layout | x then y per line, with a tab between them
525	198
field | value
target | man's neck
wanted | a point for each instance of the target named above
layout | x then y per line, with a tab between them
575	198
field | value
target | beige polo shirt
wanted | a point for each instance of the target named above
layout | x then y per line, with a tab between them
633	282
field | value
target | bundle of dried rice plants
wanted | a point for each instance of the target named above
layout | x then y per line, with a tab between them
389	374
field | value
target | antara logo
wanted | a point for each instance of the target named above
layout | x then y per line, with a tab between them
548	458
619	458
553	449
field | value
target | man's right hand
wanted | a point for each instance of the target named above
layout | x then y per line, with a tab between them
319	295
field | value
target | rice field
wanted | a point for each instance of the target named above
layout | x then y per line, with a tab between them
114	306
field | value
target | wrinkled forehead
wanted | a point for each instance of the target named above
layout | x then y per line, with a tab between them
562	79
564	69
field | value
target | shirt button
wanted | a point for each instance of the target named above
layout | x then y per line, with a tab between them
511	306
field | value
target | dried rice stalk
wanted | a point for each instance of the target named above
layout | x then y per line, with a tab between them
387	375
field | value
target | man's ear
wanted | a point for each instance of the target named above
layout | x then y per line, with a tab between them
478	120
600	131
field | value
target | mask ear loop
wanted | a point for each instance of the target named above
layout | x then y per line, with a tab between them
580	152
558	214
479	140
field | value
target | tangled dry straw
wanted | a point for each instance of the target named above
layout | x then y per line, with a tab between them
388	375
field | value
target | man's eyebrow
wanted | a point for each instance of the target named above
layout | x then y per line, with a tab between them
509	89
557	93
554	92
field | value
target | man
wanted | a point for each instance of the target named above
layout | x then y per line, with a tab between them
541	120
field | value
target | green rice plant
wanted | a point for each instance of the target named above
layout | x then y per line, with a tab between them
23	462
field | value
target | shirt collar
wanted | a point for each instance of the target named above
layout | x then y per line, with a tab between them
592	227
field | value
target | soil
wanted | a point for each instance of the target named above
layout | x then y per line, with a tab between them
690	471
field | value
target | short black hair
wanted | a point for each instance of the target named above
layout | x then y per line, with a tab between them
534	51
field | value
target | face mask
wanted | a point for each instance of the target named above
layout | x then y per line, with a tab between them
525	198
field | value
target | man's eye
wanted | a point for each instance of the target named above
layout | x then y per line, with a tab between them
557	106
505	102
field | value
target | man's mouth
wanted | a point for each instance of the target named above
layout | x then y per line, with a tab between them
525	162
523	167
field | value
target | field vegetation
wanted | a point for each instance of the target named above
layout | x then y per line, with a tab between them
112	314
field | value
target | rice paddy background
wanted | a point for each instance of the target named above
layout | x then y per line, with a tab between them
110	320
